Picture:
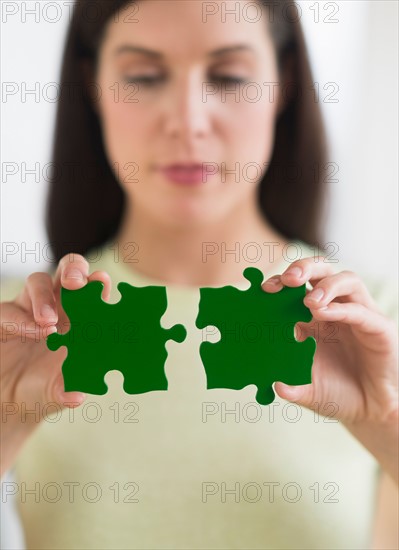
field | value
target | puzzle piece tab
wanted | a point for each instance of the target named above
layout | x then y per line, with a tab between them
257	343
126	336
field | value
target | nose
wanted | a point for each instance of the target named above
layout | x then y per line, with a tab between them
187	115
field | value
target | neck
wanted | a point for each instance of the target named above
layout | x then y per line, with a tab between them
212	254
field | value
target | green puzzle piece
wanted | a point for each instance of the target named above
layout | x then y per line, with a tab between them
126	336
257	343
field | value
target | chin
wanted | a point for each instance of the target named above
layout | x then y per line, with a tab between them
192	216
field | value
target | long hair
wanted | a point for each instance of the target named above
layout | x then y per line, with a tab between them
86	203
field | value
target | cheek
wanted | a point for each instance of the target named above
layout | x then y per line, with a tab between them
126	135
249	130
124	127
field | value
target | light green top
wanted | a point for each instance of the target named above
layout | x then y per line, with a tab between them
209	468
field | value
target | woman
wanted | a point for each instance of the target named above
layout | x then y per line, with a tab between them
191	468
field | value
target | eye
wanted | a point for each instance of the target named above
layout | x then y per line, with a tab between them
144	80
225	79
154	80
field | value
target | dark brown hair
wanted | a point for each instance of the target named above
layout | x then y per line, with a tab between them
86	202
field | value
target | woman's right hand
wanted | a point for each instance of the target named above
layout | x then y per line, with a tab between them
31	375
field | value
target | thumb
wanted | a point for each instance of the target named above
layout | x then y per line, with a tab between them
302	395
55	393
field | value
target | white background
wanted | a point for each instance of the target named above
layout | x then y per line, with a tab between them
359	53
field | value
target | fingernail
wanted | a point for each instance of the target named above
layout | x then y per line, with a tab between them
316	295
74	274
77	398
295	271
294	391
47	311
273	281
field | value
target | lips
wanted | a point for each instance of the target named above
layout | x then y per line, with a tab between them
185	174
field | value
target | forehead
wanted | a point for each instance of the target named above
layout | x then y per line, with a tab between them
179	28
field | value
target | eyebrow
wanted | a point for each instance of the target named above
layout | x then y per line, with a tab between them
130	48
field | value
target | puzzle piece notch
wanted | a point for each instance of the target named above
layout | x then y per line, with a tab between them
129	338
236	364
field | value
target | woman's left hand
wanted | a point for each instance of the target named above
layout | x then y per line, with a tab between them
355	366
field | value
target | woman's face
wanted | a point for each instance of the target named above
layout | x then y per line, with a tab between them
165	80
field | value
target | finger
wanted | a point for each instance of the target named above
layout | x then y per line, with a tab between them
301	395
298	273
362	320
104	278
39	289
306	270
273	284
38	300
64	323
345	284
17	323
54	392
376	331
72	272
106	294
